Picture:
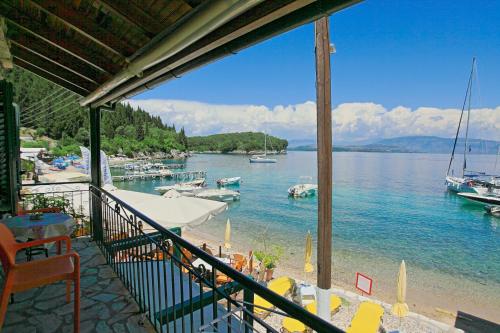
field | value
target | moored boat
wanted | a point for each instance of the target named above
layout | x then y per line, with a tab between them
465	185
262	158
493	210
219	195
470	181
302	190
482	199
229	181
192	186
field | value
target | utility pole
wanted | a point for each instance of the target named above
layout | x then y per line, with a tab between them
324	154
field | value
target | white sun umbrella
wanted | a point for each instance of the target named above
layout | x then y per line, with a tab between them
172	212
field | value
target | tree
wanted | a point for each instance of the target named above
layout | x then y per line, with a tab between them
83	136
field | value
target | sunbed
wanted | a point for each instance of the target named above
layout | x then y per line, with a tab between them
281	286
367	318
291	325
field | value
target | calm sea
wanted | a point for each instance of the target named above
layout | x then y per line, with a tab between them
386	207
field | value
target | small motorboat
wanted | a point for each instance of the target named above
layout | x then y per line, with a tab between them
493	210
165	172
219	195
303	190
200	182
181	188
192	186
483	199
229	181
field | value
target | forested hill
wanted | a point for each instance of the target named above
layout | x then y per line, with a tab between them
229	142
54	112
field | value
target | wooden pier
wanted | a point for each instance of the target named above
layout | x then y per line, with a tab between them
164	166
186	175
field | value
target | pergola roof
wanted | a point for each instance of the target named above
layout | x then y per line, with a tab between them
103	49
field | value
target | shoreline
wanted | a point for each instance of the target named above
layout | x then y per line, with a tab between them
427	299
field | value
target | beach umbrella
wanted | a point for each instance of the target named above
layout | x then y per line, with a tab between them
308	267
227	235
400	309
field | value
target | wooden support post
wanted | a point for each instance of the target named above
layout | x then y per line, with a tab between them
95	146
95	172
324	153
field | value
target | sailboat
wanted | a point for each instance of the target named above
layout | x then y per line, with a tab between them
262	158
469	181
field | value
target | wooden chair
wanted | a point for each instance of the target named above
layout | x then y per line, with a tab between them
33	274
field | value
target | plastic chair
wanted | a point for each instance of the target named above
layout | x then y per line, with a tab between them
33	274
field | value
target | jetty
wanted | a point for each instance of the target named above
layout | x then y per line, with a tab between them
185	175
140	166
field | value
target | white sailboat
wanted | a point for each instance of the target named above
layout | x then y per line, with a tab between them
262	158
468	182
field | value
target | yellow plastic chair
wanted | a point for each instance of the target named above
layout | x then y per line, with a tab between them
367	318
291	325
281	286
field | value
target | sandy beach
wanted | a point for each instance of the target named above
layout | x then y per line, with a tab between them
430	308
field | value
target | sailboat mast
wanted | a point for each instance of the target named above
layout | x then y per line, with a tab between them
265	144
468	119
469	86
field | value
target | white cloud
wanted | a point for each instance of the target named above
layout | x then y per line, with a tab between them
351	121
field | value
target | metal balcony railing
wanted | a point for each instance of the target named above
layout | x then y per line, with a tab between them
71	198
157	268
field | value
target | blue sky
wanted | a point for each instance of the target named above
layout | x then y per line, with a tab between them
406	53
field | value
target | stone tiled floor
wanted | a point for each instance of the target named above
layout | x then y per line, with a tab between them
106	306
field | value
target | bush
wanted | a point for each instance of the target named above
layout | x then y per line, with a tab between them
35	144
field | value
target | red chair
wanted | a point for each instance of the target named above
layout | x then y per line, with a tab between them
34	274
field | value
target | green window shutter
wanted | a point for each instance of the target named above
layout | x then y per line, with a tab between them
9	150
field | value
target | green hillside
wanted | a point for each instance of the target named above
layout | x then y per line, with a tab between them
229	142
54	112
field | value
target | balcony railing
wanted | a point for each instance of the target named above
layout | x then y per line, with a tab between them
156	267
71	198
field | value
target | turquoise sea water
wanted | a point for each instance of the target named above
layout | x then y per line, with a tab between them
390	206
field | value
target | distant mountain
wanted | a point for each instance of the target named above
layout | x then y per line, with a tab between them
416	144
294	143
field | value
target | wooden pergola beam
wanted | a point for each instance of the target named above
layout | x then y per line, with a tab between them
34	27
86	27
57	56
134	15
19	49
50	76
50	67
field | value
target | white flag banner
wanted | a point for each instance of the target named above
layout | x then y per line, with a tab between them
85	159
105	171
